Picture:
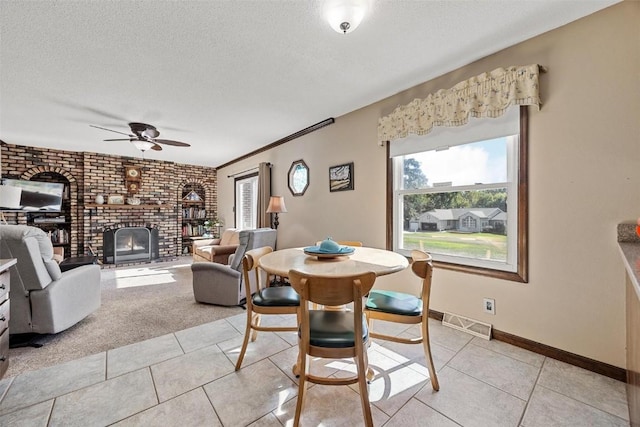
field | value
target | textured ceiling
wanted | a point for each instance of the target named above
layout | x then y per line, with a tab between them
229	77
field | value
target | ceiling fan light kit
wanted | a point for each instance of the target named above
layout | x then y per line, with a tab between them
143	137
344	16
142	145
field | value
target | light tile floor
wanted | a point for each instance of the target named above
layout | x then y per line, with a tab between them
188	379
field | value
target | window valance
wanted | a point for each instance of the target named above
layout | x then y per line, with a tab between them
485	95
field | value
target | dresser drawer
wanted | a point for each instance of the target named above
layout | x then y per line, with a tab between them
4	352
4	285
4	316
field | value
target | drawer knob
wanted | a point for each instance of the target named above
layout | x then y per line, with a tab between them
2	319
3	286
2	358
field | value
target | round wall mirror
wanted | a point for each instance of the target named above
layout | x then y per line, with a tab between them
298	177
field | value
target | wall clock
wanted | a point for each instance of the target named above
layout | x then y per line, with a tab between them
133	173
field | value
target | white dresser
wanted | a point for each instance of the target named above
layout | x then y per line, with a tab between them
4	314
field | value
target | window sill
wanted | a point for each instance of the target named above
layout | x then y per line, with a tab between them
488	272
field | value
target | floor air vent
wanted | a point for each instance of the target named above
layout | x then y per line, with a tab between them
473	327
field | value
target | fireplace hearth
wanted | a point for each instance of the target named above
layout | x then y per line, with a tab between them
130	243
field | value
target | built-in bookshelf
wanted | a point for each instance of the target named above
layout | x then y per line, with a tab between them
194	214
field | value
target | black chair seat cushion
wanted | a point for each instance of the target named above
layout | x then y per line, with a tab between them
333	329
279	296
394	302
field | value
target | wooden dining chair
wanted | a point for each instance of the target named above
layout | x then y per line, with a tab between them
349	243
332	334
352	243
400	307
266	300
345	243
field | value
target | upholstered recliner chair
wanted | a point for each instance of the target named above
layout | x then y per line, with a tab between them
43	299
223	284
216	250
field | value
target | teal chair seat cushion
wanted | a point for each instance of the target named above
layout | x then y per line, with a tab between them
280	296
333	329
395	303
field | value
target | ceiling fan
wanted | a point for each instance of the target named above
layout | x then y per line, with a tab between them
144	137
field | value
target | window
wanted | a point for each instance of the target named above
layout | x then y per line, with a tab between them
246	207
460	194
298	178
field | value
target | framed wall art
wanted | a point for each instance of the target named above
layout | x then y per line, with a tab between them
133	173
115	199
341	177
133	186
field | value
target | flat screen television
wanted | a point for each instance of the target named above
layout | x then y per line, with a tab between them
34	196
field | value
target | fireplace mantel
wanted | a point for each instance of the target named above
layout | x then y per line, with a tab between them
112	206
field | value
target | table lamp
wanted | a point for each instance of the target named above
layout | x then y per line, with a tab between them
276	206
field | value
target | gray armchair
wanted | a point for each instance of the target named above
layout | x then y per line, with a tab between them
223	284
43	299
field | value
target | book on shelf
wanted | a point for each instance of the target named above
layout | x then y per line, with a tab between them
189	230
194	213
59	236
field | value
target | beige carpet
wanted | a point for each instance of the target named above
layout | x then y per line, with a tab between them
138	303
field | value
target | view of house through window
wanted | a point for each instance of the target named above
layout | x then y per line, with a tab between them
246	207
459	201
440	218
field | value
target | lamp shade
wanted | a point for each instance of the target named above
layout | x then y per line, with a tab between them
344	16
276	205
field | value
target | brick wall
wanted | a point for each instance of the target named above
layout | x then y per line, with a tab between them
90	174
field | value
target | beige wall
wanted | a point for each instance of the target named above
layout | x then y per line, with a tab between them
584	180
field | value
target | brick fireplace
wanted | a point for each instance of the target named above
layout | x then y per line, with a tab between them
92	174
130	242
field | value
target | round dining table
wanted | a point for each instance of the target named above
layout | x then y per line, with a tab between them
363	259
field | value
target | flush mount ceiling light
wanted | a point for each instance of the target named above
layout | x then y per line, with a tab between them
344	16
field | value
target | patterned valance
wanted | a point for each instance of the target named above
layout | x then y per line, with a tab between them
486	95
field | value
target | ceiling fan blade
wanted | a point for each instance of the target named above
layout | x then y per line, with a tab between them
120	139
103	113
111	130
156	147
170	142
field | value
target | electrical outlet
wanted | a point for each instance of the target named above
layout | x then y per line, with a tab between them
489	305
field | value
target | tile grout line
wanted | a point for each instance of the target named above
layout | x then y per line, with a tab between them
511	357
54	398
486	383
528	401
6	390
583	403
211	403
477	379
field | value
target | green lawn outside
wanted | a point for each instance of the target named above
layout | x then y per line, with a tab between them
473	245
